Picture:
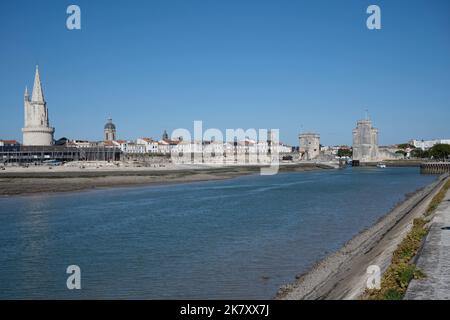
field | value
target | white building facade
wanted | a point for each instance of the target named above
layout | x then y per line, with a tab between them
427	144
151	146
129	146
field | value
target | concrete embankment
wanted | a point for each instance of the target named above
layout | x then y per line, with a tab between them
343	275
434	259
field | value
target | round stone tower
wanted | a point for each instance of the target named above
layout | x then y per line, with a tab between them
309	145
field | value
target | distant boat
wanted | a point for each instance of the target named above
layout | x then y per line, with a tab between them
381	165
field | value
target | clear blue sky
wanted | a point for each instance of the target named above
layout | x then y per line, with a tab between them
155	65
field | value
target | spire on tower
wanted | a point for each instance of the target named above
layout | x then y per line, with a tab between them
26	95
38	94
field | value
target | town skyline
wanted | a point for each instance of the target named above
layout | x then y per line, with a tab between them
245	75
225	156
38	91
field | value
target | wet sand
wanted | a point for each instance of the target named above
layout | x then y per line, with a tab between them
20	181
343	275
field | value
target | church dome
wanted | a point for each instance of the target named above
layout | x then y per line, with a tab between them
110	125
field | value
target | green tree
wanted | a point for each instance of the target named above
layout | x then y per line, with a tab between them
419	153
403	153
440	151
405	146
344	153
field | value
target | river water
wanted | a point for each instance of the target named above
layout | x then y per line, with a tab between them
237	238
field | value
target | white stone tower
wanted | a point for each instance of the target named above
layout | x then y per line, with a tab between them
36	130
365	141
309	145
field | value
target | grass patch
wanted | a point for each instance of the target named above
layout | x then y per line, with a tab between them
392	294
437	199
397	277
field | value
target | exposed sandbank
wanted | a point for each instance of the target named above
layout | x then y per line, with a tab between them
30	180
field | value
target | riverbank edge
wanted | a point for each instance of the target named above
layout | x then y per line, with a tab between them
30	183
342	275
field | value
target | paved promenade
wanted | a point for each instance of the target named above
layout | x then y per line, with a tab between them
434	260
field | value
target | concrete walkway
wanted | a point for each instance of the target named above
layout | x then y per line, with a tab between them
434	259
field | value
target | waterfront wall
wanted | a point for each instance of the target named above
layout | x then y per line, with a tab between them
39	154
435	167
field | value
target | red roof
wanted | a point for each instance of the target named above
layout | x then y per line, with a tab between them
108	143
172	142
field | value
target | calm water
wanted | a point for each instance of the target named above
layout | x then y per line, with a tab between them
239	238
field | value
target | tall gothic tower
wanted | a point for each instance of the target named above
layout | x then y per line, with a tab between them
36	130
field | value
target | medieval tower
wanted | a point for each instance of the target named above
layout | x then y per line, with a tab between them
309	145
365	141
36	130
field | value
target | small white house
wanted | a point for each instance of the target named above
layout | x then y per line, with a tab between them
165	146
151	146
129	146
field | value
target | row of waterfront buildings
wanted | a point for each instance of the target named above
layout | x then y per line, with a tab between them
38	141
167	145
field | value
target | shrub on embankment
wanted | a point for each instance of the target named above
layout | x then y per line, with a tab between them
397	277
437	199
399	274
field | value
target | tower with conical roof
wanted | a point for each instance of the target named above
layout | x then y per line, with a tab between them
36	130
